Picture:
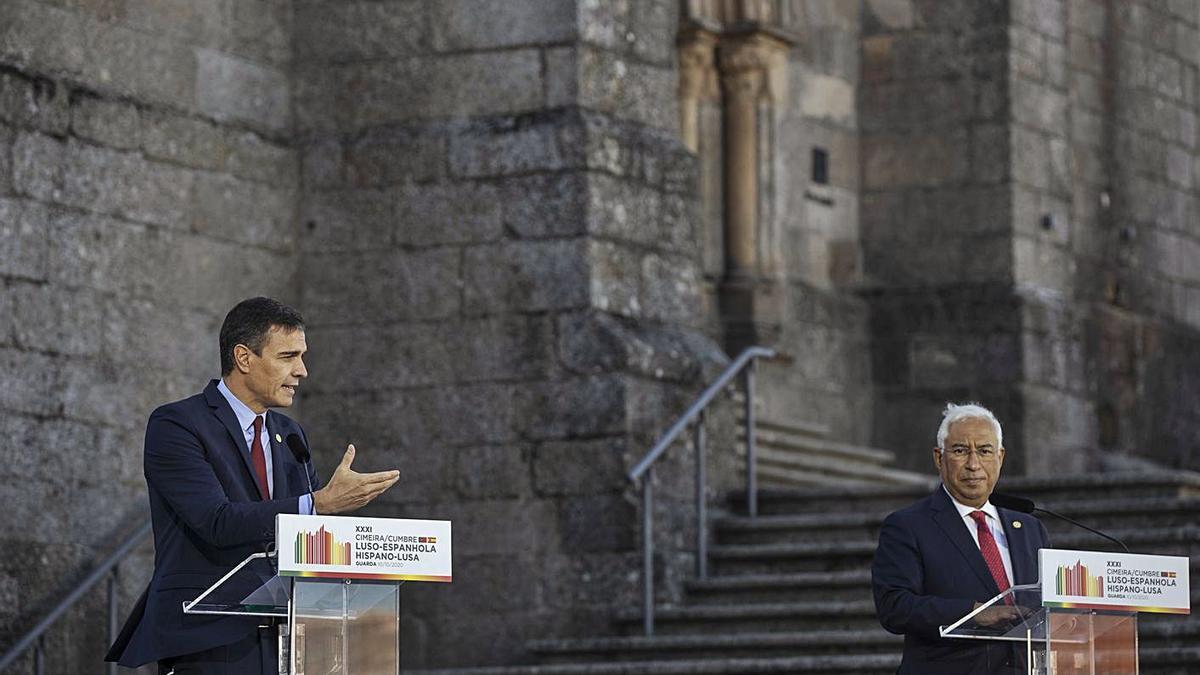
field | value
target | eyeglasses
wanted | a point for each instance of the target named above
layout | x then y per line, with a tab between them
960	453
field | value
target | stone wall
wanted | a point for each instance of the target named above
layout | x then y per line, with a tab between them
936	218
146	184
501	274
1029	202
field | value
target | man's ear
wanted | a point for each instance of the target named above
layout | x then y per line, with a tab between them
241	358
937	459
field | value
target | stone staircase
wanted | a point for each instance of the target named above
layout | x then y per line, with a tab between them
801	454
789	591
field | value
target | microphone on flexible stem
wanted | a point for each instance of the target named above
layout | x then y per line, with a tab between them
302	455
1024	505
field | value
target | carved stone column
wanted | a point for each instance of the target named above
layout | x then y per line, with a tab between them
697	80
752	66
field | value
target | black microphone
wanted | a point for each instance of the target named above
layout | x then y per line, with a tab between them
302	455
1024	505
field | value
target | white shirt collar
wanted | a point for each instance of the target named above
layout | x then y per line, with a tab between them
245	415
965	511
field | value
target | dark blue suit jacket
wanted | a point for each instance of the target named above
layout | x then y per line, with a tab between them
208	516
928	572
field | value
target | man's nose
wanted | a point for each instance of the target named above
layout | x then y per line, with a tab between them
973	460
301	371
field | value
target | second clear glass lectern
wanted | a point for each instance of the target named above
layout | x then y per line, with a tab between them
1054	641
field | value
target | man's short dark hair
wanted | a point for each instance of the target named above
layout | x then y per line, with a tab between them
248	324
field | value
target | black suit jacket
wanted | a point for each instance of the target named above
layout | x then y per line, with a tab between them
928	572
208	516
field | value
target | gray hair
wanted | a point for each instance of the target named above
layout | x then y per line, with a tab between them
955	413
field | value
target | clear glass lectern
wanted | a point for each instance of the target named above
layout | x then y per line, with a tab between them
1054	641
328	626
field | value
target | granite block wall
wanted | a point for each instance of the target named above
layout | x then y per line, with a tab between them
501	270
146	184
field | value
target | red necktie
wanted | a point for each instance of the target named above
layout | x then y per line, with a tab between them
259	459
991	553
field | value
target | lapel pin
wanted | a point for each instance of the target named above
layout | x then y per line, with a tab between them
280	440
1016	523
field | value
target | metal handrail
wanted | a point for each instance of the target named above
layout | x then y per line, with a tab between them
644	470
107	568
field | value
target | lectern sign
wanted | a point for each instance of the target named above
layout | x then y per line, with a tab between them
363	548
1121	581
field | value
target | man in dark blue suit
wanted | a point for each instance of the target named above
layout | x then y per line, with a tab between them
943	556
218	471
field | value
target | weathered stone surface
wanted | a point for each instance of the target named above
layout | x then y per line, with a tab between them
492	472
457	25
633	212
24	239
227	208
37	166
386	285
448	213
125	185
233	89
640	29
525	276
35	102
579	467
347	220
6	143
597	342
568	408
327	32
553	205
255	158
262	31
390	155
48	320
627	88
506	146
914	160
416	88
32	383
183	140
108	122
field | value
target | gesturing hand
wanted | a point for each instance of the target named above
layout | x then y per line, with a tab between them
348	490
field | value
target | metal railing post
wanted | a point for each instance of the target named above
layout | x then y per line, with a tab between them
701	501
113	578
648	552
39	656
751	450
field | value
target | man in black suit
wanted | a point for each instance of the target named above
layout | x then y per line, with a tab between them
218	471
943	556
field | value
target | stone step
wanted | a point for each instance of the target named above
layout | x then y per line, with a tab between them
699	645
889	498
797	429
817	469
1153	661
818	446
847	554
725	619
770	477
858	664
1104	514
798	587
794	643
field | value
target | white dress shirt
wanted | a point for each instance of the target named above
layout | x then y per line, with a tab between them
245	417
994	524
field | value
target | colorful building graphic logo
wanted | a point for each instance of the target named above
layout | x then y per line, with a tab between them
1075	580
321	548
